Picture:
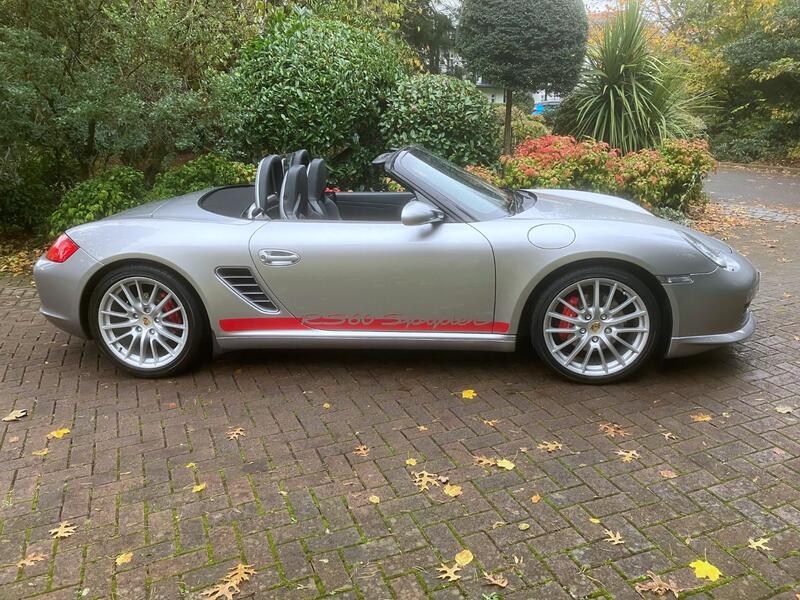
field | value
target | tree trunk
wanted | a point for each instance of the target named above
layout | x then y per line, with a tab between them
507	131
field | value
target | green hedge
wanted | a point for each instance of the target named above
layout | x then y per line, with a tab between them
207	171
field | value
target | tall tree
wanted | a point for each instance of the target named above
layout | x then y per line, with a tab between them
524	45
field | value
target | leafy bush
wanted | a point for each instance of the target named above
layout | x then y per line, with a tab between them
447	115
627	97
670	177
30	185
204	172
117	189
523	125
311	83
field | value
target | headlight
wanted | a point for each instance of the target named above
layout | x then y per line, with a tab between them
710	253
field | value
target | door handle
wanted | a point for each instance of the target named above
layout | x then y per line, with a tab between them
278	258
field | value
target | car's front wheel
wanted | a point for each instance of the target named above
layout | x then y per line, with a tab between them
147	321
596	324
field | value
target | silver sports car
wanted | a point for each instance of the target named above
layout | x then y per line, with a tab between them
597	284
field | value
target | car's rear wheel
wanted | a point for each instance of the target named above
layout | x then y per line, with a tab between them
596	325
147	321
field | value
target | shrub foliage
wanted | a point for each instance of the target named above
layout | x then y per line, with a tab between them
207	171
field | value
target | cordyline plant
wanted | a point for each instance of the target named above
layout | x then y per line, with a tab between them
627	97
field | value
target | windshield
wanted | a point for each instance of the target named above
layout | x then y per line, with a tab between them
475	196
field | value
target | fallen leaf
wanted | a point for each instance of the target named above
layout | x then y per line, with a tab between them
491	422
550	446
172	405
523	526
667	474
536	498
423	480
411	461
668	435
464	557
615	537
42	452
594	520
326	405
30	560
784	410
658	586
375	499
613	430
484	461
469	394
13	439
449	573
495	579
228	586
759	544
16	415
506	464
701	418
627	455
64	530
452	490
422	428
124	559
239	574
361	451
190	465
199	487
236	433
497	524
524	449
58	433
705	570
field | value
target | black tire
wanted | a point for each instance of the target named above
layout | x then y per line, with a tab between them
196	320
560	284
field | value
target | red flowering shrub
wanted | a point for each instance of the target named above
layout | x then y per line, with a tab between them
668	177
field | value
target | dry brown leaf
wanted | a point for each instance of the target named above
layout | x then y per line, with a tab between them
783	410
495	579
484	461
374	499
452	490
42	452
464	557
58	433
506	464
124	558
613	430
236	433
536	498
449	573
199	487
759	544
469	394
491	422
326	405
30	560
628	455
222	591
411	461
594	520
13	439
497	524
667	474
64	530
361	451
423	480
701	418
658	586
422	428
668	435
239	574
16	415
615	537
550	446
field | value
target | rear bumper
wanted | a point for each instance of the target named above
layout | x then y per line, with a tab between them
686	346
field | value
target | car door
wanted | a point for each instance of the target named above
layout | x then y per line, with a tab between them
379	276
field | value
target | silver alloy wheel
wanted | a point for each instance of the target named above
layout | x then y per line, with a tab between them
143	323
597	327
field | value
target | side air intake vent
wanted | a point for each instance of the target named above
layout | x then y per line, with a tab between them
241	281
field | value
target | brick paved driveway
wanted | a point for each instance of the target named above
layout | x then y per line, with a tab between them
292	498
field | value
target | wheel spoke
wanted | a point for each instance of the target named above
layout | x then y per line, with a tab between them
111	326
623	305
121	302
576	350
584	304
616	354
555	315
585	362
610	298
566	343
626	344
626	317
561	330
127	293
596	304
602	357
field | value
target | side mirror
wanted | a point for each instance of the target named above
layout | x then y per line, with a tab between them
419	213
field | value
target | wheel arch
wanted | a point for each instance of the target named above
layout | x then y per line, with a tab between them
665	335
91	284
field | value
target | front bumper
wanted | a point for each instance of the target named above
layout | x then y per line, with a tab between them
60	286
686	346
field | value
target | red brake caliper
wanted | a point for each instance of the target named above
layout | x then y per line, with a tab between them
573	301
174	317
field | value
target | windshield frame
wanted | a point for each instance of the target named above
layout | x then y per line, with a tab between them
399	166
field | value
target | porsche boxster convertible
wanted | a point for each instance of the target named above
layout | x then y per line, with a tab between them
597	284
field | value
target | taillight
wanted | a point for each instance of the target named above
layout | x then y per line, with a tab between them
62	249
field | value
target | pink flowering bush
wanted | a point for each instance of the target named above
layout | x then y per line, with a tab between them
669	177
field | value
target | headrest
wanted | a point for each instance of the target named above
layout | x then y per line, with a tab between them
294	195
269	177
300	157
317	179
